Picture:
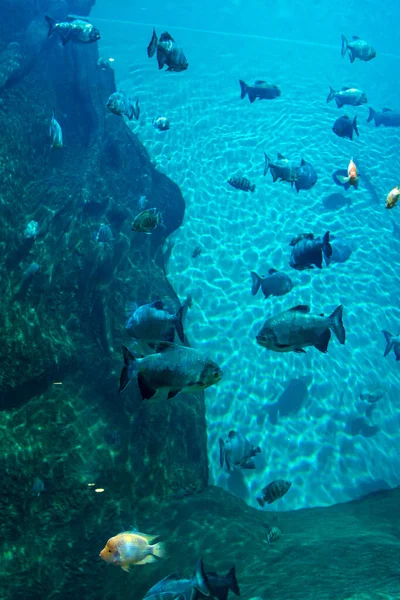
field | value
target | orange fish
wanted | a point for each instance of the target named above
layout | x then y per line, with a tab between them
128	548
352	175
392	197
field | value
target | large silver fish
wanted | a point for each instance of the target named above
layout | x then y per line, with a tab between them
237	451
168	52
351	96
357	49
172	369
153	322
275	284
309	251
175	586
295	329
73	30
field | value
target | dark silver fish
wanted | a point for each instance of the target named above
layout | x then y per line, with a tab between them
344	127
237	451
387	117
306	177
152	322
122	105
161	123
295	329
73	30
172	369
350	96
147	221
357	49
274	490
275	284
392	343
282	169
301	236
260	89
308	252
168	52
176	587
241	183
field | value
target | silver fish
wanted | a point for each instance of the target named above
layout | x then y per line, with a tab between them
174	586
295	329
387	117
237	451
172	369
122	105
357	49
275	284
73	30
351	96
260	89
274	491
282	169
168	52
310	251
153	322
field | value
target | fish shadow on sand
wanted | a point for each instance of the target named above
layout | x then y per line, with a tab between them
290	401
359	426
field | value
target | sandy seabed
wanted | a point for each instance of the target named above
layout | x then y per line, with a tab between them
214	136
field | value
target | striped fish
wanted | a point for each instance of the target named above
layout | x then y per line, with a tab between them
274	490
241	183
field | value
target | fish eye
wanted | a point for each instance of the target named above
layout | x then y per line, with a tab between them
110	551
216	374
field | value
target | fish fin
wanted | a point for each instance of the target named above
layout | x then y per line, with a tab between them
272	271
64	39
266	164
326	248
338	101
166	37
389	342
387	109
344	46
355	128
280	156
161	346
256	283
148	537
145	390
355	37
256	451
243	89
274	177
161	58
151	48
331	94
261	502
148	559
51	23
201	581
323	341
249	464
371	114
259	81
179	323
343	179
173	393
251	94
352	56
228	462
231	580
337	324
303	162
127	370
158	550
300	350
158	304
300	308
221	452
126	568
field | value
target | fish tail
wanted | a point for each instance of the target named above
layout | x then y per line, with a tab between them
261	502
371	115
355	126
266	164
151	48
221	452
389	342
344	46
331	94
158	550
127	370
178	323
129	113
256	282
200	576
51	23
326	247
232	581
337	324
243	89
136	109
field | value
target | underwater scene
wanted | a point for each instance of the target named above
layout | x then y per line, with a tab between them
200	322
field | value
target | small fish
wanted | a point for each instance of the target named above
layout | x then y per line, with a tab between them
341	251
161	123
351	178
237	451
37	487
392	197
168	52
121	105
306	177
273	534
104	235
30	271
275	284
392	343
373	394
128	548
197	251
344	127
336	201
147	221
296	328
350	96
55	132
283	169
357	49
260	89
31	230
301	236
241	183
73	30
176	587
308	252
274	490
153	322
172	369
387	117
